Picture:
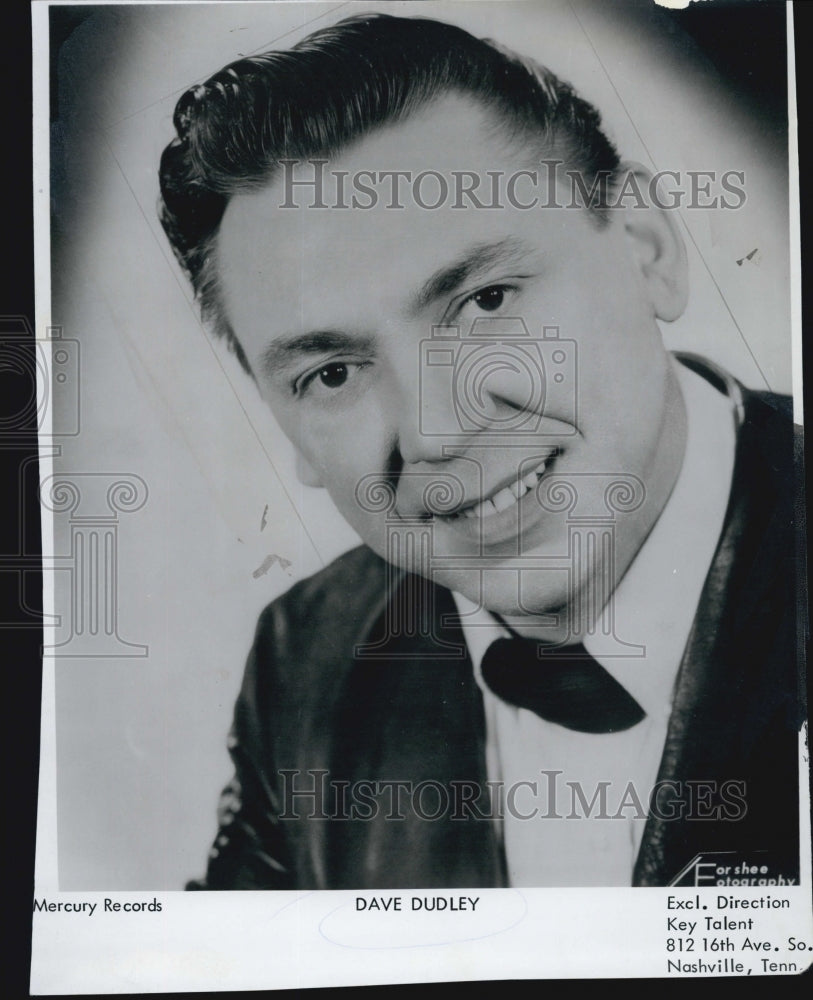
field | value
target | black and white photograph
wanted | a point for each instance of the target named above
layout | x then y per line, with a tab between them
422	484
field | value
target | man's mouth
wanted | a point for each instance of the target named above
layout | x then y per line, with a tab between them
504	497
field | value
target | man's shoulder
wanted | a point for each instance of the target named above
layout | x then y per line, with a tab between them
776	443
768	409
305	639
330	605
765	416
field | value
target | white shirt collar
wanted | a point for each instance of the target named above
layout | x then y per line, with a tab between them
656	600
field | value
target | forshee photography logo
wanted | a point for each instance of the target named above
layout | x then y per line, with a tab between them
724	869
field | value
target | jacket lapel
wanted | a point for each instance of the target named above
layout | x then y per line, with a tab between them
734	713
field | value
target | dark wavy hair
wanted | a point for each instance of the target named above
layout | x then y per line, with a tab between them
330	89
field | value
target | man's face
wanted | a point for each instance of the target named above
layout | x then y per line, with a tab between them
335	309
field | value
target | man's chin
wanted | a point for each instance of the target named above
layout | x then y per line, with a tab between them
531	598
513	594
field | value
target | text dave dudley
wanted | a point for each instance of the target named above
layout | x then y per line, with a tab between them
453	904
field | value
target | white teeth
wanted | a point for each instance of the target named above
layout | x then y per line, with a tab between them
484	509
503	499
507	496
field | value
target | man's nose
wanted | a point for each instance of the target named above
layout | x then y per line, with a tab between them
428	424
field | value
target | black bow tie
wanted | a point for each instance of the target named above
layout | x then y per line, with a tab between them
565	685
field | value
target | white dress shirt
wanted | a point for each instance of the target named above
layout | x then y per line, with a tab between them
654	607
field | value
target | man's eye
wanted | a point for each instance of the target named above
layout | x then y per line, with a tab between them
329	378
489	299
334	375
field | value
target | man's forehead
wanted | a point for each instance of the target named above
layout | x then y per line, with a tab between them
336	275
327	249
304	255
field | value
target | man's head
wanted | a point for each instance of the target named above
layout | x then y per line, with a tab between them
336	86
333	310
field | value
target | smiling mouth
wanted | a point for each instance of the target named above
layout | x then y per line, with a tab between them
503	498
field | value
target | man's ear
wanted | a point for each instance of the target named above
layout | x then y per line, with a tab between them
656	242
306	473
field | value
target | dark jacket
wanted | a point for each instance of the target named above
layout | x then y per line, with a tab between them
332	696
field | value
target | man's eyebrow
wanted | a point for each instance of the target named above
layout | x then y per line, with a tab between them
284	352
472	261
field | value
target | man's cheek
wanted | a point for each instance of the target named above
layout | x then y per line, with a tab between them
356	506
371	528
